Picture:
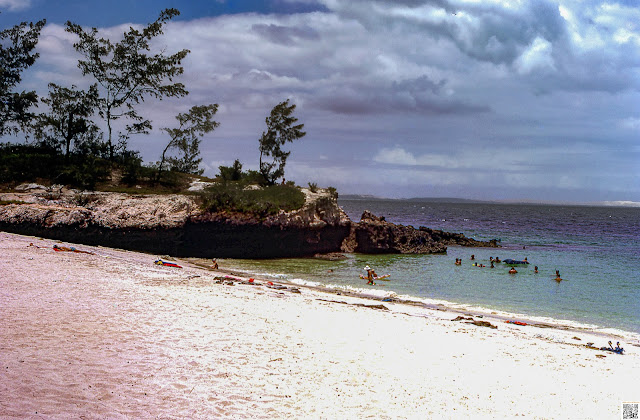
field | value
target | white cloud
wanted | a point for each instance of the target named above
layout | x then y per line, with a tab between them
537	57
15	5
631	123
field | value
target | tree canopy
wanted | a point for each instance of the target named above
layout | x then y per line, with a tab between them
127	72
16	55
186	138
68	118
280	130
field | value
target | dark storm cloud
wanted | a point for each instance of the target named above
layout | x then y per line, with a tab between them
420	95
285	35
435	93
485	32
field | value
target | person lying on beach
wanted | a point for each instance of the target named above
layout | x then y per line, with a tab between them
70	249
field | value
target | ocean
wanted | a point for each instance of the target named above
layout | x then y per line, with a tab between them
595	249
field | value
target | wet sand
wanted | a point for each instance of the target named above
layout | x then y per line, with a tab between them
111	335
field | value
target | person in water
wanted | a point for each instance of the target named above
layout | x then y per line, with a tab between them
513	270
473	257
535	269
370	272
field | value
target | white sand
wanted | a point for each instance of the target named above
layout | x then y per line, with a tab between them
112	335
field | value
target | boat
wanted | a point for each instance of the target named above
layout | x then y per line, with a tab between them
511	262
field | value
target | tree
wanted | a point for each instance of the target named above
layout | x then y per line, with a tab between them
127	73
231	173
16	55
186	139
280	130
67	120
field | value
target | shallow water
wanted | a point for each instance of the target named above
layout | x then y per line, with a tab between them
595	249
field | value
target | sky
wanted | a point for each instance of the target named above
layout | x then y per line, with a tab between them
495	100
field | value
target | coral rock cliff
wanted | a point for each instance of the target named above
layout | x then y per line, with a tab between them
175	225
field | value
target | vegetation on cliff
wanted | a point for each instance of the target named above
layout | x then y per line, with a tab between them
64	144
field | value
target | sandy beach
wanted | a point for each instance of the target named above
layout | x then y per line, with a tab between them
112	335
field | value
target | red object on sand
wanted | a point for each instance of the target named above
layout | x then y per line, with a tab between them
167	264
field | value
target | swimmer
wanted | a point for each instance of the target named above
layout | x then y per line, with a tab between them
473	257
535	269
513	270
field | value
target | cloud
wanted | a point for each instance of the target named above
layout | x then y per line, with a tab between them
15	5
537	57
486	95
284	34
631	123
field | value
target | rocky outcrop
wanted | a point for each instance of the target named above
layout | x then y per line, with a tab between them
175	225
374	235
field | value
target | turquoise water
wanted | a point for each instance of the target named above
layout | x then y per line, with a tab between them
596	250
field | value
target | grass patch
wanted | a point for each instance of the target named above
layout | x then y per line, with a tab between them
264	201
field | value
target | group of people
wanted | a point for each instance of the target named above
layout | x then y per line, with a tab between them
512	270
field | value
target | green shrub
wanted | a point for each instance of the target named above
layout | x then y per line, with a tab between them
313	187
235	197
231	173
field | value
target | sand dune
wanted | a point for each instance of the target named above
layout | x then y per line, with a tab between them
112	335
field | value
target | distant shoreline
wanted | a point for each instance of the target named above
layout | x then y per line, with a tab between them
455	200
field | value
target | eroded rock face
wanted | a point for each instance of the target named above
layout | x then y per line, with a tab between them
175	225
374	235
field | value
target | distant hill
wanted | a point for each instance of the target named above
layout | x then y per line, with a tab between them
414	199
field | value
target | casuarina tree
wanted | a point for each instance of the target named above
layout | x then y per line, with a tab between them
16	55
67	119
281	129
185	139
128	73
